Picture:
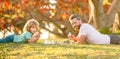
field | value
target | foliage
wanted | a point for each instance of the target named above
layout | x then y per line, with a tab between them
108	31
105	31
14	13
59	51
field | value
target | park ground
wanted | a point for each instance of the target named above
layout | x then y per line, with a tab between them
40	50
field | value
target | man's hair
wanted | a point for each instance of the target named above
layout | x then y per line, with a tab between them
74	16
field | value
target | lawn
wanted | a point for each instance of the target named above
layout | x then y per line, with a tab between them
58	51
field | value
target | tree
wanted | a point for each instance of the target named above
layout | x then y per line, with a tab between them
101	18
14	14
43	11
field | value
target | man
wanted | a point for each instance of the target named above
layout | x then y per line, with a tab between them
89	34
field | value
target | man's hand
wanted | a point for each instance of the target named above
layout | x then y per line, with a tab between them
72	37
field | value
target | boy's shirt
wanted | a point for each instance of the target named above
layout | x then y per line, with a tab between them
23	37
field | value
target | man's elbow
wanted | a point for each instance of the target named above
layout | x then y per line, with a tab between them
80	42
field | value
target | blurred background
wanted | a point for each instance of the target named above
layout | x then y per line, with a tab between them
53	16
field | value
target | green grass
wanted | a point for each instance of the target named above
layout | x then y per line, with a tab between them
58	51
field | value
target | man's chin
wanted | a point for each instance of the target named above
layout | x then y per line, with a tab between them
76	29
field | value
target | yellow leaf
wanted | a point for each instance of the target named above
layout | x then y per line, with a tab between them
14	16
21	15
10	6
18	10
6	15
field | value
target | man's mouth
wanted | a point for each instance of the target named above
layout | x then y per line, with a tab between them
76	28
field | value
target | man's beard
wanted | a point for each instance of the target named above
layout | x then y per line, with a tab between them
77	28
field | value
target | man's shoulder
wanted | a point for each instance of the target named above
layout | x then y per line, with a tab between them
86	24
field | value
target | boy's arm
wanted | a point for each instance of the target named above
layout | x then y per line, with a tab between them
34	38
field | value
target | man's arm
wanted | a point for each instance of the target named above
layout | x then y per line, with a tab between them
80	39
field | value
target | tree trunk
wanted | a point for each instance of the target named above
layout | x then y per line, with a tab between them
97	12
110	15
101	19
119	19
115	24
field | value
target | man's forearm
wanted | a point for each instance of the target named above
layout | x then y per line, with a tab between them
74	39
80	41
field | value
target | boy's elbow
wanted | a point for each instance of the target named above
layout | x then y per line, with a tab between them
30	41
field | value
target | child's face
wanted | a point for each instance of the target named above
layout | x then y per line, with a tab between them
33	29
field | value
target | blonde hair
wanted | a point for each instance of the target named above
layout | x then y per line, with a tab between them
29	24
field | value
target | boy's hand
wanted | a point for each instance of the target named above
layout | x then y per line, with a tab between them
34	38
36	34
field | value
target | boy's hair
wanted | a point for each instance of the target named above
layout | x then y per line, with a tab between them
30	23
74	16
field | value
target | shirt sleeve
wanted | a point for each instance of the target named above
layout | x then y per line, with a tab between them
28	35
83	30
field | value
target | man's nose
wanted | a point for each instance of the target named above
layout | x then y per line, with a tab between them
74	24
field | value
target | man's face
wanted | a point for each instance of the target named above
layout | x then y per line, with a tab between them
75	24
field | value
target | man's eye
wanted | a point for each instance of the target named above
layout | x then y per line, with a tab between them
74	23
